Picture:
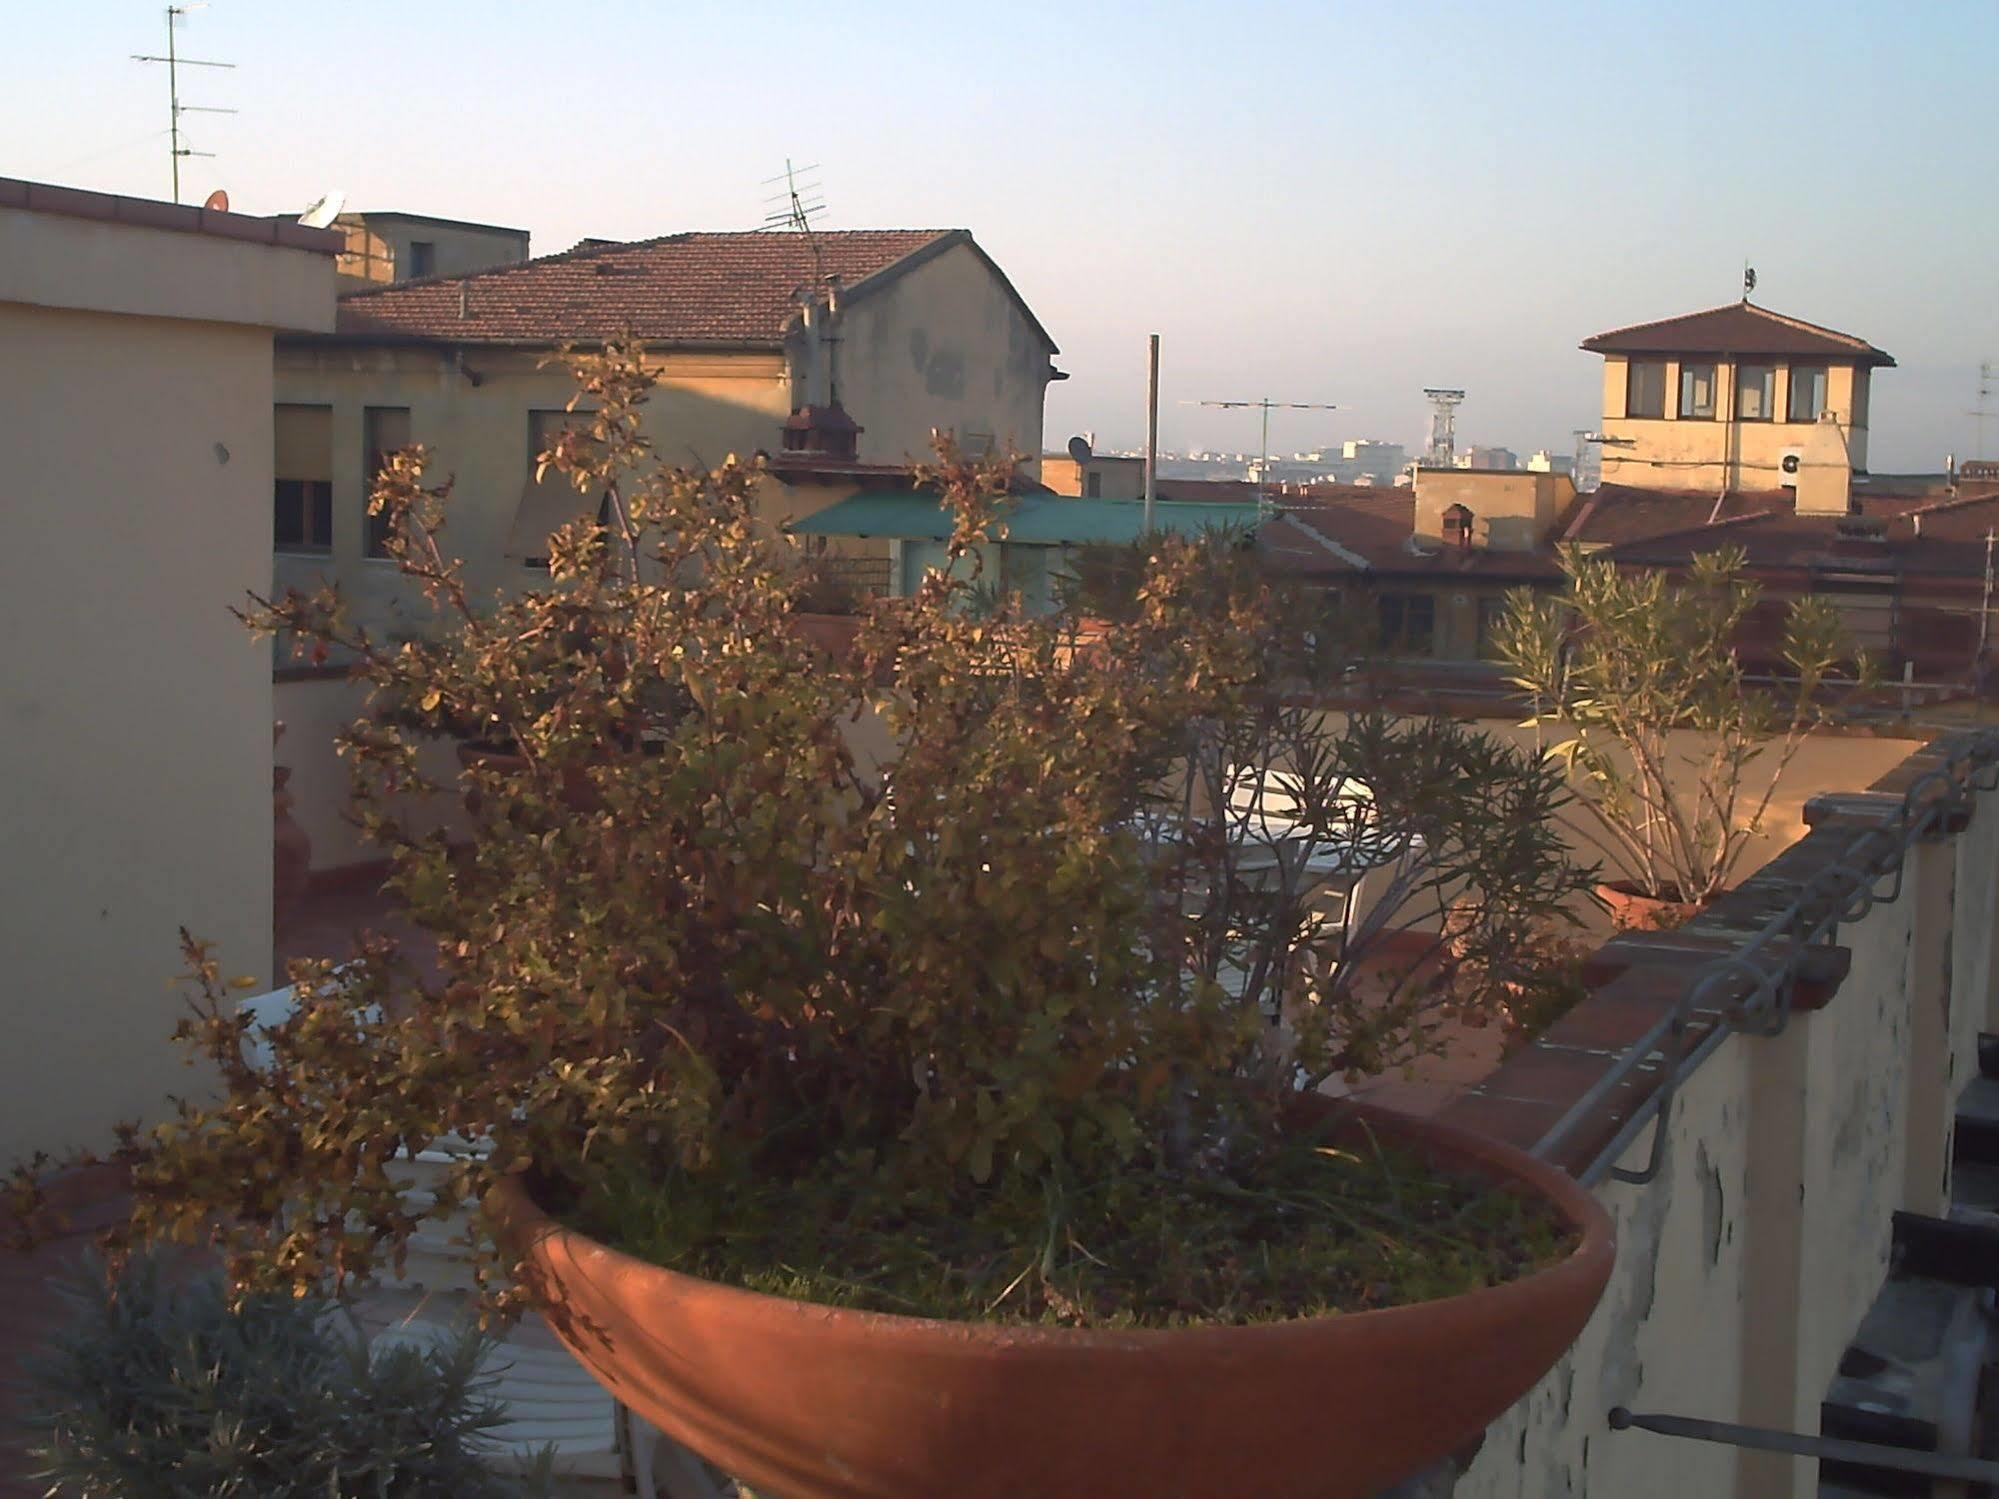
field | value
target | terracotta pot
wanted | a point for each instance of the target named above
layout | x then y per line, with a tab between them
832	633
291	849
823	1403
577	792
1631	910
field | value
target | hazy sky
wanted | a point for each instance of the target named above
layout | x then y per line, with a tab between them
1329	203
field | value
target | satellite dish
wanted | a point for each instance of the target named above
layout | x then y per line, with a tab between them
218	201
1079	449
325	211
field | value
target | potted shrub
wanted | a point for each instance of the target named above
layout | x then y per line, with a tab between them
954	1135
827	608
162	1385
1677	752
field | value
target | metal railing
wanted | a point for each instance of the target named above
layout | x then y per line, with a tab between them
1737	993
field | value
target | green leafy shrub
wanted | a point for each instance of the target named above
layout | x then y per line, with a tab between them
1013	1007
1677	751
162	1389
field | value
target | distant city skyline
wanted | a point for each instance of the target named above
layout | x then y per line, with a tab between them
1335	205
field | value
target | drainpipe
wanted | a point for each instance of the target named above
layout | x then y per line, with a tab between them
1151	431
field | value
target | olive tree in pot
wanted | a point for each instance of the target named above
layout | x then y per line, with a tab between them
1678	754
906	1139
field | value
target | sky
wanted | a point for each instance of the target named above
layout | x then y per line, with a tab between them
1319	203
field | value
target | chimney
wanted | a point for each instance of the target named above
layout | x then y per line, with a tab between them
1825	471
464	299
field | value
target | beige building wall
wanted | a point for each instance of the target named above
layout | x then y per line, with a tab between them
1513	510
1676	452
943	345
1116	478
135	433
706	407
379	247
1745	1269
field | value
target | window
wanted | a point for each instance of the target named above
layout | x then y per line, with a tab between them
1807	392
423	257
302	471
1408	623
384	429
1491	614
1755	392
1645	388
1697	391
551	502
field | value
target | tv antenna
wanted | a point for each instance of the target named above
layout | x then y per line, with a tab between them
1443	427
1984	394
795	204
175	109
1266	406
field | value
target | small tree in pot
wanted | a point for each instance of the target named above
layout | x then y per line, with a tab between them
1678	753
982	1043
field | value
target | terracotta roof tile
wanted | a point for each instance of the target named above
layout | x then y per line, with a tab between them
1374	526
1738	328
683	288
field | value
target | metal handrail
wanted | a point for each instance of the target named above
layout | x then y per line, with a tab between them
1841	892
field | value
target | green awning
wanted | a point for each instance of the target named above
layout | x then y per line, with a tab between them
1030	519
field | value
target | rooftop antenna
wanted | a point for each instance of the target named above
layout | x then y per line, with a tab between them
1984	394
794	206
175	109
1266	406
1443	427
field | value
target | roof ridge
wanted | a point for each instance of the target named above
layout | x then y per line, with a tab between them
584	251
1747	518
1679	317
578	251
1806	327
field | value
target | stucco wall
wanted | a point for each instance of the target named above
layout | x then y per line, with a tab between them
137	753
1745	1269
1709	453
705	408
942	345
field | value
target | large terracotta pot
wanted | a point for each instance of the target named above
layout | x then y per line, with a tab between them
823	1403
577	792
832	633
1631	910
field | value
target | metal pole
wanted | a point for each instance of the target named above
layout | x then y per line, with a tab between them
1829	1449
1151	431
173	103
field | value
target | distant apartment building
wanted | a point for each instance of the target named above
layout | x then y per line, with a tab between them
840	352
1545	462
1736	398
384	248
1477	457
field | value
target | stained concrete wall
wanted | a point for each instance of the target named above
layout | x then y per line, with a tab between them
944	345
135	436
1745	1269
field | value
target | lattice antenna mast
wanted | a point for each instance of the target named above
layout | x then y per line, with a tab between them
1266	406
1443	427
1984	396
794	206
175	109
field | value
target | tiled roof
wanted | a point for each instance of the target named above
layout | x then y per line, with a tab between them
1911	534
1617	513
1371	528
722	289
1738	328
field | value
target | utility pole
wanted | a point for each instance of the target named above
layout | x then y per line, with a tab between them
1151	432
1266	406
1984	393
175	109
